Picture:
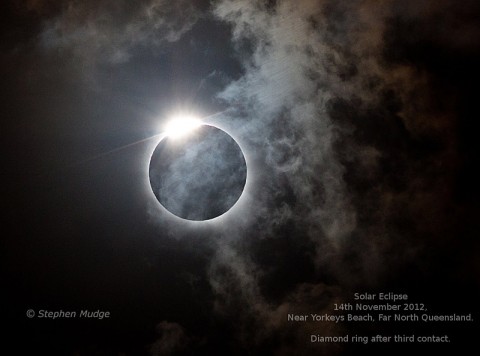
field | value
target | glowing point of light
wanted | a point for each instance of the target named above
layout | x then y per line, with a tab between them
181	126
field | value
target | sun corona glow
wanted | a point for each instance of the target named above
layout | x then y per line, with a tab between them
181	126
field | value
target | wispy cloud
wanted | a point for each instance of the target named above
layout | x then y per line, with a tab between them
108	31
172	339
335	127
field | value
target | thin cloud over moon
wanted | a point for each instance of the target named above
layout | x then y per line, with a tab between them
198	175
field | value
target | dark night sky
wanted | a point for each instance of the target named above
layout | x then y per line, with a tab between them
358	121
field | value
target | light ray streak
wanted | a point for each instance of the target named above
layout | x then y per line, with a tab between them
121	148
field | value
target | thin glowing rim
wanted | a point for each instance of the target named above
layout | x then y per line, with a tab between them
235	206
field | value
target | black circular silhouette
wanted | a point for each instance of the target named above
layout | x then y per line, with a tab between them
200	175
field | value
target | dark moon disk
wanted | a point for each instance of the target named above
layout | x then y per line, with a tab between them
198	176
